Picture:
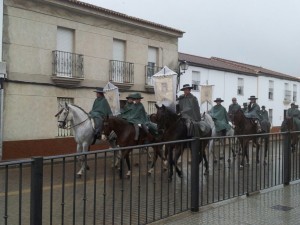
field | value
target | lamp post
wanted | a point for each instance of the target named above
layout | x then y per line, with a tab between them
183	66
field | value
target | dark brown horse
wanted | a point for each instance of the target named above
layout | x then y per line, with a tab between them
174	128
125	137
289	125
246	126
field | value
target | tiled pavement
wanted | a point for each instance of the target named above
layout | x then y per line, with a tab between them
277	206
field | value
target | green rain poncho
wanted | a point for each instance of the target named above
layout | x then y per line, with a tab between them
220	117
128	110
138	115
189	107
100	108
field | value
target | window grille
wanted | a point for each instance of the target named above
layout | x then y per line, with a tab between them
196	80
151	107
271	89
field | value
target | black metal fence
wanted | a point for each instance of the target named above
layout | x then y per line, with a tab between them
47	191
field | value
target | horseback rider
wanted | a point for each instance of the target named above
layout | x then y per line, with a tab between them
128	108
253	112
291	112
245	107
220	117
233	108
264	114
100	110
138	116
188	107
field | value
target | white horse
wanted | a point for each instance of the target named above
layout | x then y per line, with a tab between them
82	126
206	117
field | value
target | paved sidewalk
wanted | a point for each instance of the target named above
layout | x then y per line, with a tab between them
277	206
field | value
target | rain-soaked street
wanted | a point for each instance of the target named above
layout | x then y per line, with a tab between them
101	197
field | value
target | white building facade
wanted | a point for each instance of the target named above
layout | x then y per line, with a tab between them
230	79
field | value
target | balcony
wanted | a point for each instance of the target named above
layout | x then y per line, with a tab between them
121	73
150	71
67	69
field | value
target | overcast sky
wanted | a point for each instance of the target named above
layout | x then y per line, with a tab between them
260	32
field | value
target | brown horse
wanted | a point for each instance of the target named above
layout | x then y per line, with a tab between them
125	137
174	128
289	125
245	126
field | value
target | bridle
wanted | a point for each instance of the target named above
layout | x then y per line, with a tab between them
64	122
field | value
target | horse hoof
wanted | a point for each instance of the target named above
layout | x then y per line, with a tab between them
78	175
180	175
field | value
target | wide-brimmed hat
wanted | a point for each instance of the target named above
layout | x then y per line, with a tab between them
136	96
129	96
252	97
263	107
186	86
218	100
99	90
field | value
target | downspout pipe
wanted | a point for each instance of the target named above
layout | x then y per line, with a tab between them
2	77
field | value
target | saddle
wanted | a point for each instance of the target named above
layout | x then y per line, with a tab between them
200	129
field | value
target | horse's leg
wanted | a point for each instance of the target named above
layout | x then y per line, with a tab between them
81	160
204	157
242	143
128	163
121	165
257	150
157	153
178	153
171	162
266	149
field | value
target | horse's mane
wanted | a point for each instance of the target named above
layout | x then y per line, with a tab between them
76	106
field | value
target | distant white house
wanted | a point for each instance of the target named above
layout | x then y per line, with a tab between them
233	79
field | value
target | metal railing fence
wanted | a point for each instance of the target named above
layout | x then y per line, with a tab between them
67	64
47	191
121	72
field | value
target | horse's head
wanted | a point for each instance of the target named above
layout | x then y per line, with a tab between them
164	116
238	117
63	116
107	126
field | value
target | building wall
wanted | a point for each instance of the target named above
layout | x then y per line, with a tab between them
30	29
225	87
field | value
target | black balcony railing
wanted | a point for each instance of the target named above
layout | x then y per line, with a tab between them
121	72
66	64
150	71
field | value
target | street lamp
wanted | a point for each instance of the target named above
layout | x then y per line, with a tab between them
183	66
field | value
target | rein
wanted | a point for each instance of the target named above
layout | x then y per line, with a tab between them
70	127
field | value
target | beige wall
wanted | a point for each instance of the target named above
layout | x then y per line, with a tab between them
28	41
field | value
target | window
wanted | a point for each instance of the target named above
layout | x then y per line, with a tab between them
65	48
271	115
151	68
151	107
195	80
271	90
119	65
287	93
240	88
64	132
294	93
